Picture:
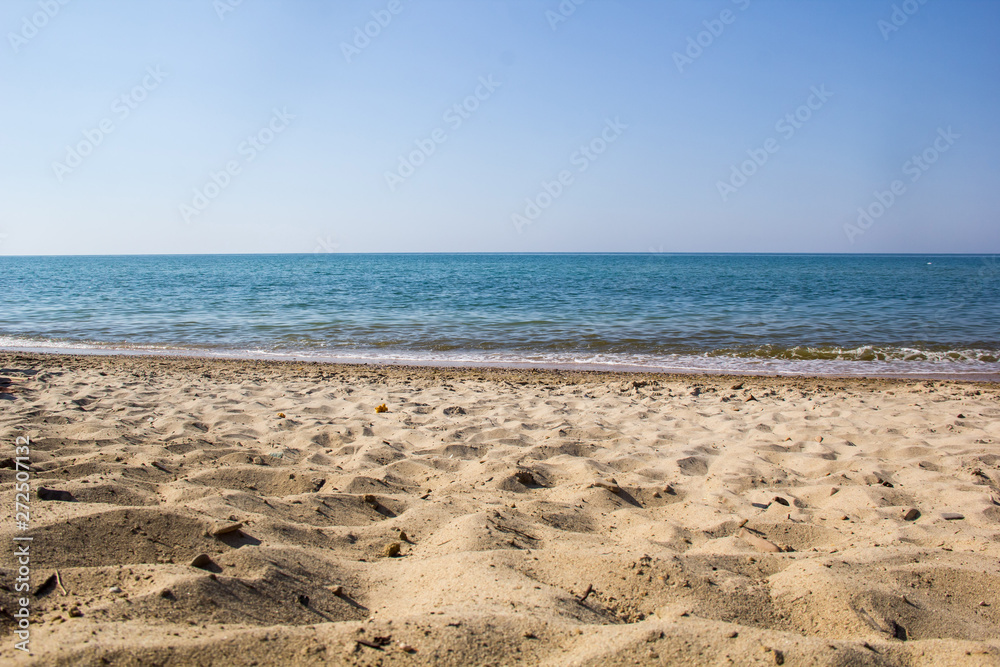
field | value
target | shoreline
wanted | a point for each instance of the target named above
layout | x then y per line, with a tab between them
605	369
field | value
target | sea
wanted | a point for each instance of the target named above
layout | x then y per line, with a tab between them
776	314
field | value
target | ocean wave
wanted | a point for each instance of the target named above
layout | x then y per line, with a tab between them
801	360
865	353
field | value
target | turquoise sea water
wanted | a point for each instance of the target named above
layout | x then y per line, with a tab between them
839	314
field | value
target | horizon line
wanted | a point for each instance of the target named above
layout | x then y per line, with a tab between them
524	253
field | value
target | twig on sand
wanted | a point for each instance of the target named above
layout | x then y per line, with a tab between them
59	582
586	593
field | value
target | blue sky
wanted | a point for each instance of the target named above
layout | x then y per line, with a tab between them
603	126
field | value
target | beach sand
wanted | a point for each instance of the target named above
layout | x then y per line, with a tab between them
540	517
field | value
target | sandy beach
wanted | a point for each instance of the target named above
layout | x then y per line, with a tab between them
202	512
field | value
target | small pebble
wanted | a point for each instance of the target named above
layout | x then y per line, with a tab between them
53	494
201	561
225	528
392	550
609	485
951	516
912	514
114	590
75	612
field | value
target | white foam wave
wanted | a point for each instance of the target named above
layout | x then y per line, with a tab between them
861	361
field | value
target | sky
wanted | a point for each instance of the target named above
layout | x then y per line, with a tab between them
249	126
